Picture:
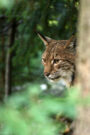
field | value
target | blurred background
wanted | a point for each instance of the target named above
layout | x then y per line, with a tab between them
20	47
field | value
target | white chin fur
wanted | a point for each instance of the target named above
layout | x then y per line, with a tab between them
61	82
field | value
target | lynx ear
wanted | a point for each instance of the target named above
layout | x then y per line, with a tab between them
45	39
71	43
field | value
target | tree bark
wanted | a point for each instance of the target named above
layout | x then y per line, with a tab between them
2	69
3	60
83	67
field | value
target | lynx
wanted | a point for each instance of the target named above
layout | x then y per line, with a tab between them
59	60
59	65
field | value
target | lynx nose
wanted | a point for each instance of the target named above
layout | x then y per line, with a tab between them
46	74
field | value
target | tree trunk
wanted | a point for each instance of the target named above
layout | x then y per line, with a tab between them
83	67
3	61
2	69
8	71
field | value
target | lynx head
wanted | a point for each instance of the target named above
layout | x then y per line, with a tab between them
59	59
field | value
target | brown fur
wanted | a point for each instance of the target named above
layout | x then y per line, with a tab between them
59	60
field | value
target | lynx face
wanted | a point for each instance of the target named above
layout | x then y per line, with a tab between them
59	60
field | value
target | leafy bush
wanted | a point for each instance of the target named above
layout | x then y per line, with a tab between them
30	113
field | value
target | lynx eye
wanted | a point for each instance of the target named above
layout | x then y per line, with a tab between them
56	61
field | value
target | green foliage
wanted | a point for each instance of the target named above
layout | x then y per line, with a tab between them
6	3
30	113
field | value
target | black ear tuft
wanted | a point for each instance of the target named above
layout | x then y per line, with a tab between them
45	39
41	35
71	43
